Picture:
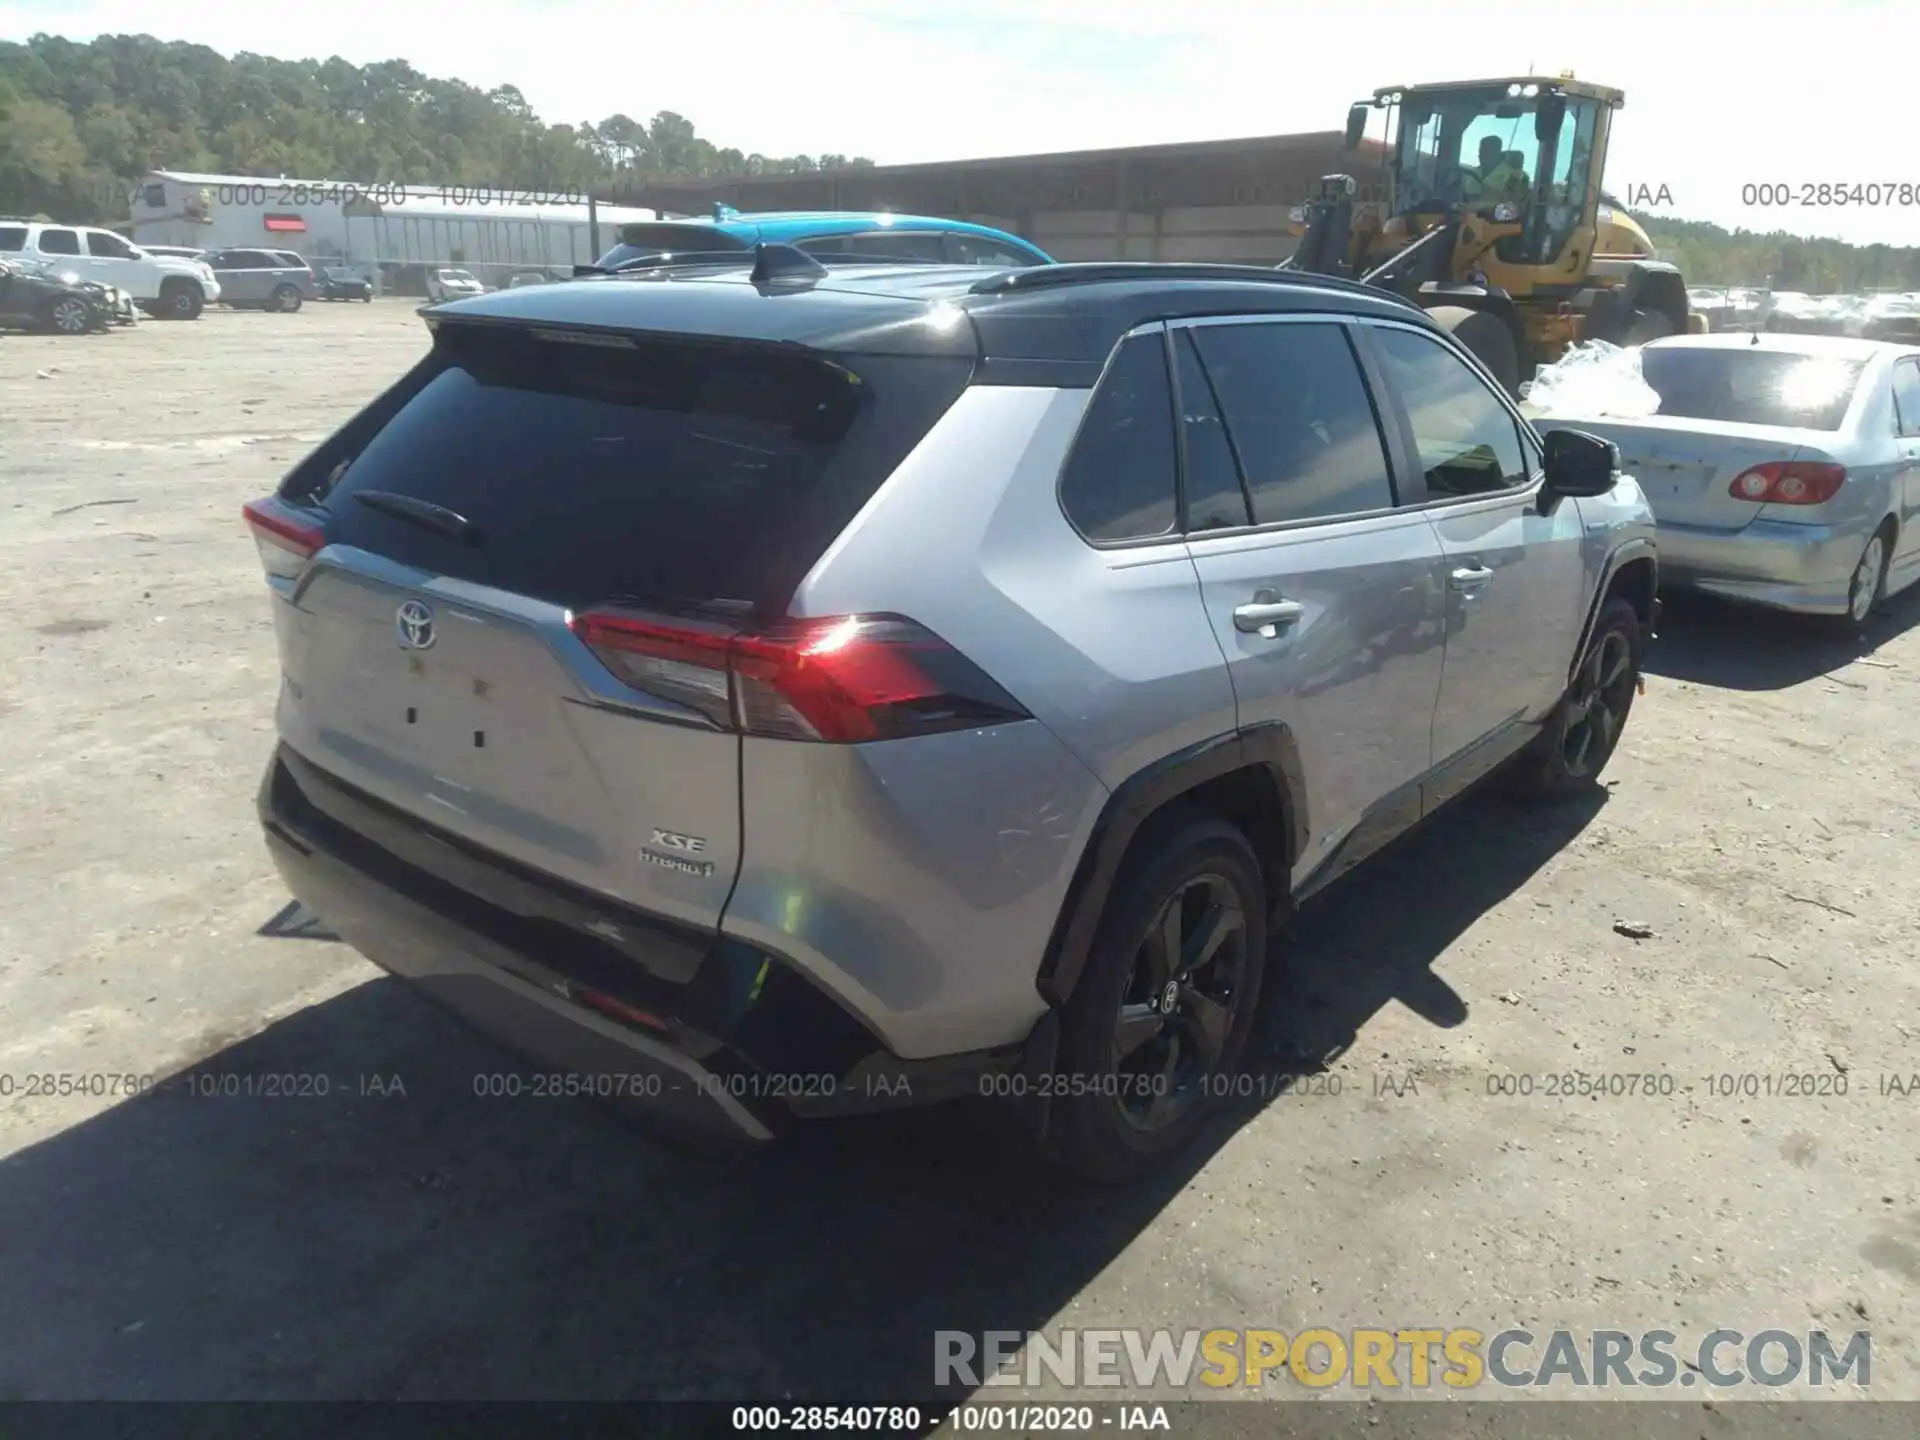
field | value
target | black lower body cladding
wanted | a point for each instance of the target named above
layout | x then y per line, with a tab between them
695	1030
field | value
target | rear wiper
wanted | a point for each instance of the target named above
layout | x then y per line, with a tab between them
420	512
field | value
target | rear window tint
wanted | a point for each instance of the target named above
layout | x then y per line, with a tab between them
1752	386
13	237
670	474
641	241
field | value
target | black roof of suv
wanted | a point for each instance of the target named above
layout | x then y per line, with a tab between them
1048	325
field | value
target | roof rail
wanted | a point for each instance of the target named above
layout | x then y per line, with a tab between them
1038	277
672	259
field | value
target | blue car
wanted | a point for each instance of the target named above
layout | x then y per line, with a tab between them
830	234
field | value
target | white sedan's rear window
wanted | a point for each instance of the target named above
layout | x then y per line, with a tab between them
1752	387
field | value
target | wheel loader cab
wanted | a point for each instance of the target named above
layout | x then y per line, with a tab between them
1493	210
1519	161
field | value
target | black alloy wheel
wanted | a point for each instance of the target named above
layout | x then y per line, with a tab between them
1179	1004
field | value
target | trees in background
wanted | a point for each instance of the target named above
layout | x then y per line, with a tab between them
79	122
1710	254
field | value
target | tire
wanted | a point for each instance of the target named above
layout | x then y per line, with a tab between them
70	315
1585	727
1133	1089
181	300
285	300
1867	587
1649	325
1486	335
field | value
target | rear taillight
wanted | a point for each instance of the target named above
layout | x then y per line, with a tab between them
286	538
1789	482
841	680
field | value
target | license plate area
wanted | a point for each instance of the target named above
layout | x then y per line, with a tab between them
442	717
1667	480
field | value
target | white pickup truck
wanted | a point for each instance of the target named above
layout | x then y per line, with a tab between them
164	286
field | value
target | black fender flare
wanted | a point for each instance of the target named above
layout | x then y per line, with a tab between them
1133	803
1622	555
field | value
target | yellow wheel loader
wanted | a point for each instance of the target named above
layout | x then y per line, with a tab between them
1494	221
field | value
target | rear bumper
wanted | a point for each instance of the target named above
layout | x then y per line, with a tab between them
740	1049
1804	568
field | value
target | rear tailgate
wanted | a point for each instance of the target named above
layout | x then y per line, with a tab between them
522	475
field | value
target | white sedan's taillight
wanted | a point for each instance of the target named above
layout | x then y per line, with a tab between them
1789	482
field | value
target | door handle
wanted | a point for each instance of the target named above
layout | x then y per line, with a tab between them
1470	577
1266	614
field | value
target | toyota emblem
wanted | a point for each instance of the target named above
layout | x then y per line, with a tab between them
413	623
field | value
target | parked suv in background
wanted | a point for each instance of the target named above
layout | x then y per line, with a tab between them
162	285
276	280
768	691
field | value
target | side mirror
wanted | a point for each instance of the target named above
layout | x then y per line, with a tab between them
1548	119
1356	125
1580	464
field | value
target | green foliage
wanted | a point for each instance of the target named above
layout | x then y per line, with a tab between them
1709	254
80	122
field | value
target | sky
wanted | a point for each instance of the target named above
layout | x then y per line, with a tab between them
1720	97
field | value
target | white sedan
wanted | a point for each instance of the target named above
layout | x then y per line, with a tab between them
1784	470
452	285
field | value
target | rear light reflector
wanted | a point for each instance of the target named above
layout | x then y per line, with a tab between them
841	680
618	1009
1789	482
286	539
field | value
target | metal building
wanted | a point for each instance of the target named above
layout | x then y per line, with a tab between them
395	232
1207	200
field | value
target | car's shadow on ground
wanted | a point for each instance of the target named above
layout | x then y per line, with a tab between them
1716	642
367	1244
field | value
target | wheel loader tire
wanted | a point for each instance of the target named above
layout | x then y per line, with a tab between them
1649	325
1487	336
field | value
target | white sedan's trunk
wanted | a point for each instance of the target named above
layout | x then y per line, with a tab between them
1687	467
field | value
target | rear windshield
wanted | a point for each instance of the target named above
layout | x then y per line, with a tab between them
639	242
1752	387
674	475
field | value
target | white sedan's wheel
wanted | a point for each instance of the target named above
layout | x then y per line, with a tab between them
1869	576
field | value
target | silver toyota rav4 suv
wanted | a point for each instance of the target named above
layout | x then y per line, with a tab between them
761	691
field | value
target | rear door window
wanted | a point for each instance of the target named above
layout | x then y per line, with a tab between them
13	237
1119	483
1215	498
105	245
1906	396
671	474
964	248
926	245
59	242
1299	418
1467	441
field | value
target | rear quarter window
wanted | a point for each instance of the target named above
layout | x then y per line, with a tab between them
673	474
1119	479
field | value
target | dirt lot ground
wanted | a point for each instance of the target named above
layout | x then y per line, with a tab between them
1760	822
